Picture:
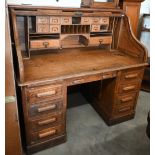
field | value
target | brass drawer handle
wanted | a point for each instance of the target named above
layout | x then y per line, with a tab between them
100	40
129	88
47	121
51	107
96	20
78	81
127	99
66	20
131	76
53	92
49	133
124	109
45	44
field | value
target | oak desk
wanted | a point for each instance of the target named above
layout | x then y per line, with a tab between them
60	47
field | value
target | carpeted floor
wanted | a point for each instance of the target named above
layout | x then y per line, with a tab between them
87	134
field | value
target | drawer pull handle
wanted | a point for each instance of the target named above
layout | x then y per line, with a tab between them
125	109
47	121
49	133
100	40
51	107
78	81
127	99
45	44
53	92
131	76
96	20
129	88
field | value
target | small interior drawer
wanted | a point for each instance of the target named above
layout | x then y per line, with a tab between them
46	134
95	28
44	108
95	20
85	20
43	93
54	28
44	122
44	43
66	20
42	20
104	20
130	87
132	75
100	40
42	28
55	20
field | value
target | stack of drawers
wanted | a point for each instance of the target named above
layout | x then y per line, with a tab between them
127	92
45	113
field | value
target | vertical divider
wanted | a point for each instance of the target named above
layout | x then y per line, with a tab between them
27	35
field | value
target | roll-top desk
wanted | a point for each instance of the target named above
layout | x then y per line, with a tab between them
60	47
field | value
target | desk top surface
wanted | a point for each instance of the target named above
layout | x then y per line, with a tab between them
69	62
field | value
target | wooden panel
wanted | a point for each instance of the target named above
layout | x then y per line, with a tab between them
12	130
132	10
44	93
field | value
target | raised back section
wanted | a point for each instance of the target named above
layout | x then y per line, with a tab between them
42	29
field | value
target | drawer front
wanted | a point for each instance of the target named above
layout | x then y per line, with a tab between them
124	100
44	108
44	93
84	79
46	43
132	75
42	20
85	21
131	87
42	28
104	21
66	20
46	122
55	20
54	29
46	134
95	28
123	111
95	20
100	40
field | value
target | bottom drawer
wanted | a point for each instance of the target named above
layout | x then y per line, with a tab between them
123	110
47	134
